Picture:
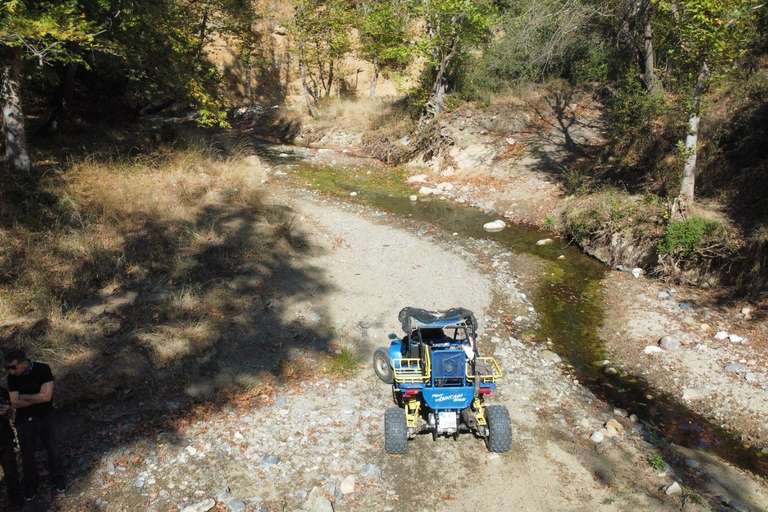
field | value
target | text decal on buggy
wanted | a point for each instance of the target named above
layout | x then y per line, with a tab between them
453	398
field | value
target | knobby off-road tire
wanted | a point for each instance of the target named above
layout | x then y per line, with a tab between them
499	437
395	431
381	366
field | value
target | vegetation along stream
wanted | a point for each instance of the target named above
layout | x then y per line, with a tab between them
569	301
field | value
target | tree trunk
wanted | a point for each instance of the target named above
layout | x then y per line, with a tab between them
649	61
691	141
248	80
304	86
330	80
203	28
375	78
438	89
14	131
62	100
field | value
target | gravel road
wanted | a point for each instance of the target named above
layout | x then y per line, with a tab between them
316	443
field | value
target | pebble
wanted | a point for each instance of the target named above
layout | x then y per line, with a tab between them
650	349
637	272
597	437
236	506
721	335
544	241
670	342
413	197
322	504
203	506
691	463
673	488
371	471
347	485
693	394
750	377
353	194
686	305
663	295
735	367
735	338
269	460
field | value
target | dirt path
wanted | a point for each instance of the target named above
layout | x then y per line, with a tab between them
319	439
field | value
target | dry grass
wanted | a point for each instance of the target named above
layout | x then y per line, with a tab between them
140	260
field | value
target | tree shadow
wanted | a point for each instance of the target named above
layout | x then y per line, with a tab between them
213	318
557	135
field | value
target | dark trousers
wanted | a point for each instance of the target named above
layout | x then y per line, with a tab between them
10	471
27	430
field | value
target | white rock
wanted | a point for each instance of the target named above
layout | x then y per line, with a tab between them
746	311
673	488
721	335
347	485
419	178
735	338
283	155
322	504
414	197
693	394
597	437
353	194
495	226
445	187
544	241
750	377
650	349
426	191
637	272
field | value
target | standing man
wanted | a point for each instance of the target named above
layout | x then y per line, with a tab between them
8	450
30	385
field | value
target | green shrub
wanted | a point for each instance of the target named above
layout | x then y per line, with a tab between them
682	238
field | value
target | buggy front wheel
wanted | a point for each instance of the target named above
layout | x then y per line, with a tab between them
381	366
395	431
499	438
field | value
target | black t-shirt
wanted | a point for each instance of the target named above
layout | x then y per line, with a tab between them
6	433
29	384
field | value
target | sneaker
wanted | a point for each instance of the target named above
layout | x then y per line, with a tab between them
60	483
30	493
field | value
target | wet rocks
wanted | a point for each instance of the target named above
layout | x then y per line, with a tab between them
495	226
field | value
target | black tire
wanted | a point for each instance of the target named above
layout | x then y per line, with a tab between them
381	366
499	439
395	431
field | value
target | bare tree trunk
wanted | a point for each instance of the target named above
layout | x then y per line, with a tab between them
438	89
327	86
14	131
304	85
691	142
649	61
375	78
203	28
249	80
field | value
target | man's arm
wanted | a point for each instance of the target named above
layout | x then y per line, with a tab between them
45	395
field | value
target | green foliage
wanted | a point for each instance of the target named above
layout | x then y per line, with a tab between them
632	108
657	462
683	238
383	30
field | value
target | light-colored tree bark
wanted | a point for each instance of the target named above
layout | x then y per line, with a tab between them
691	149
14	130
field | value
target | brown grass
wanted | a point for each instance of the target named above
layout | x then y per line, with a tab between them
170	231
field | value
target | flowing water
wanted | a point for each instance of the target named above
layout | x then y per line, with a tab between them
569	301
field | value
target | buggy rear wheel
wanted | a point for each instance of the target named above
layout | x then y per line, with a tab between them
499	438
395	431
381	366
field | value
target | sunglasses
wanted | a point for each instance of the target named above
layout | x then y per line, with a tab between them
11	366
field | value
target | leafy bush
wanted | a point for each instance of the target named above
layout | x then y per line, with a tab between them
683	238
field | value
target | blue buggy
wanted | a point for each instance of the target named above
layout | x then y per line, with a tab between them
439	381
